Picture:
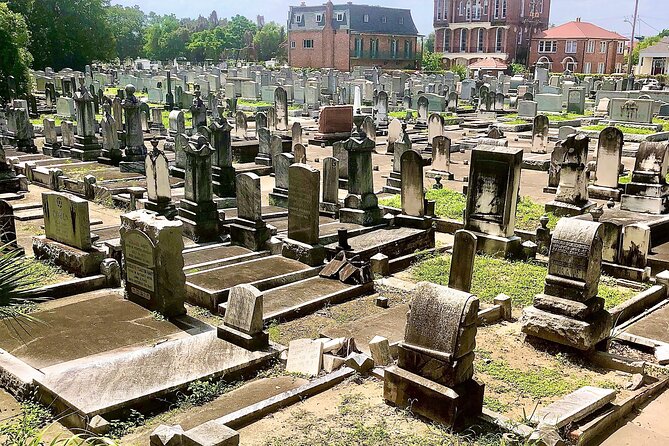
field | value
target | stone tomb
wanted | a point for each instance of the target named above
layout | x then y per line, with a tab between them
434	376
67	239
569	312
154	276
609	154
303	243
412	194
648	191
572	192
492	196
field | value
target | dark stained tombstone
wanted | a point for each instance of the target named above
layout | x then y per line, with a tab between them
540	129
223	172
330	185
572	192
152	250
249	230
434	375
281	106
303	243
648	191
569	312
462	261
279	195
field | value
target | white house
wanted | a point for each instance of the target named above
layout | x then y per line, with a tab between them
654	59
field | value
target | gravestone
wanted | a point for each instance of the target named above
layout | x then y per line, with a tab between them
197	210
394	134
527	109
296	132
243	321
369	128
435	127
572	193
423	106
135	150
86	147
462	261
381	119
576	101
223	172
441	158
557	158
339	152
249	230
434	375
281	106
300	153
279	195
7	227
158	187
569	312
648	191
394	179
261	120
264	157
330	201
303	243
271	119
547	102
241	125
639	111
152	251
609	156
492	196
452	102
67	138
540	129
51	144
412	195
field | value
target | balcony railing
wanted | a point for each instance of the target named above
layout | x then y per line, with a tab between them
383	55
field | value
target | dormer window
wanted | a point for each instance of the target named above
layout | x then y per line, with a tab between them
365	18
319	18
401	20
384	19
340	16
298	18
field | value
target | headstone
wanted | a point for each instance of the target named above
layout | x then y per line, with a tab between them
243	321
576	101
540	130
152	250
331	181
609	156
435	127
66	219
572	192
158	187
527	109
412	194
296	132
648	191
305	357
462	261
249	230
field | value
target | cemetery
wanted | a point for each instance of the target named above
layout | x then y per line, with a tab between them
238	253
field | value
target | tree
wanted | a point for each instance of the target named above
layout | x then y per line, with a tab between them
67	33
165	38
432	61
208	44
235	31
15	59
429	43
647	42
127	25
268	41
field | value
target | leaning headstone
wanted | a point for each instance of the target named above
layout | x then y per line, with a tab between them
462	261
243	321
303	243
569	312
434	375
305	356
152	250
609	156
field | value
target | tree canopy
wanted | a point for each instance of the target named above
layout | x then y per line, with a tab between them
645	43
15	59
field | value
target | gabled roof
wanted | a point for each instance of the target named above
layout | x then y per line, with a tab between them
489	63
579	30
660	49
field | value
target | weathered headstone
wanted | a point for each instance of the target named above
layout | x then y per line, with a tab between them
648	191
249	229
540	129
609	156
462	261
572	192
243	321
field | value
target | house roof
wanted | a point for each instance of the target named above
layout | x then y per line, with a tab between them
397	21
660	49
579	30
489	63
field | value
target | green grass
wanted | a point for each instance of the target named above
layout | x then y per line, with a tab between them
451	204
520	280
622	128
515	122
400	114
628	178
247	103
664	122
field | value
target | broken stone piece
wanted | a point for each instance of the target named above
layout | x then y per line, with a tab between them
305	357
165	435
359	362
379	347
332	363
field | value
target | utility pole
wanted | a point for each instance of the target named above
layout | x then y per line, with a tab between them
630	75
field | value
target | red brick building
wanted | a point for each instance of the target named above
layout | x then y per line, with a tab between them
344	36
580	47
470	30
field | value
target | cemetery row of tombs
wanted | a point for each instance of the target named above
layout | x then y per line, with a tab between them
488	253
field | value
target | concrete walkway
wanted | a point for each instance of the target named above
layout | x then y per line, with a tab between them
649	428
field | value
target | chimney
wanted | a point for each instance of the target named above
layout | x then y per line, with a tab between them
578	19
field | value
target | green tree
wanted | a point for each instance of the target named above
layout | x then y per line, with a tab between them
432	61
127	25
236	30
429	43
15	59
165	38
208	44
67	33
268	41
460	70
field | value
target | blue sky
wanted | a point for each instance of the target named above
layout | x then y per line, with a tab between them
609	14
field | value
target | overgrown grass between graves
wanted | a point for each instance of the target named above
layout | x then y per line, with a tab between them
622	128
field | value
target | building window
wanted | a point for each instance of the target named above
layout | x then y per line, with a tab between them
602	47
520	36
340	16
498	40
308	43
407	49
365	18
547	46
298	18
480	45
477	10
319	18
619	67
468	11
485	7
570	47
401	20
393	48
374	48
540	6
461	8
358	47
439	10
503	8
587	68
447	41
497	8
621	47
292	44
590	48
600	68
384	19
463	40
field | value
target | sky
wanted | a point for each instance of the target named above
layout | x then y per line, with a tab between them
609	14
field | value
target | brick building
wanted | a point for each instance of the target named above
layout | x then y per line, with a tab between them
470	30
579	47
348	35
